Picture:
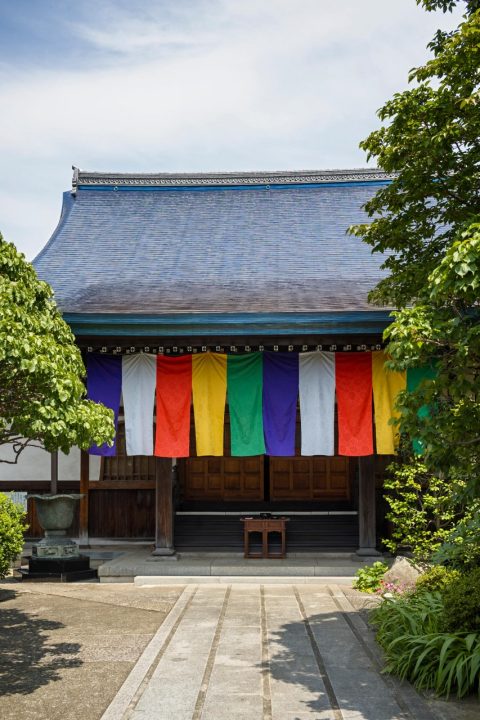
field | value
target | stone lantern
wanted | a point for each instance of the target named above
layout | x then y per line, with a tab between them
57	555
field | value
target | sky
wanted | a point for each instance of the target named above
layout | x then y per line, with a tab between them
190	85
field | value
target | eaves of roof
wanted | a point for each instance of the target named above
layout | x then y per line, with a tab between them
234	324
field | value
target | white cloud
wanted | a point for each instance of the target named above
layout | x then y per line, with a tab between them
208	86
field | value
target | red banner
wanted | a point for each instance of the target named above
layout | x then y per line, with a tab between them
353	373
174	398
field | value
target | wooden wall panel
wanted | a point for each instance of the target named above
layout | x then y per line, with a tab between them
122	514
124	471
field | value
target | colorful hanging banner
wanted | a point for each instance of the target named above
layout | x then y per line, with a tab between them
138	389
353	373
209	384
415	376
244	389
386	386
280	393
174	398
104	385
317	402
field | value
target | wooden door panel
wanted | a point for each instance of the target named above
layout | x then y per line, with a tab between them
197	483
319	482
232	476
279	480
309	478
320	464
214	485
232	465
232	483
252	483
339	464
289	478
223	478
301	478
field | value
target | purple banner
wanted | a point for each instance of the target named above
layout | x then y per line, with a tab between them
280	393
104	385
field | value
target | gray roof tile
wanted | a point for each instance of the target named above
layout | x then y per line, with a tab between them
158	250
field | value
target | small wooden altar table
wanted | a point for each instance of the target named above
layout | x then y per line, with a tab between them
264	526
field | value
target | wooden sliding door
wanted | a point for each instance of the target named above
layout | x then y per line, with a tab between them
309	478
223	478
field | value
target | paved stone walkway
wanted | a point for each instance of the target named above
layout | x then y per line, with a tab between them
254	652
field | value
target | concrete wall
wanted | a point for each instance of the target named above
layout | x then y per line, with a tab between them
34	464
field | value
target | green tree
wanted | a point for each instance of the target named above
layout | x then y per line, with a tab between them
431	141
42	396
426	221
444	324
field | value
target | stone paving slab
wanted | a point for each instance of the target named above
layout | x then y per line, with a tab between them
297	687
235	669
176	683
267	652
360	690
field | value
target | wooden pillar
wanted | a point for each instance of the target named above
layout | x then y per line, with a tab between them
367	530
54	473
163	507
84	483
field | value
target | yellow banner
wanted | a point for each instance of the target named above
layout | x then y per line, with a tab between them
386	386
209	385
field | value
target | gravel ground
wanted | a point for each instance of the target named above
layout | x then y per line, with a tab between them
65	650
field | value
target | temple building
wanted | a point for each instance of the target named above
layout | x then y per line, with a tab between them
220	266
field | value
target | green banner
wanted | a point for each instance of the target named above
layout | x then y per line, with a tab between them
415	376
244	390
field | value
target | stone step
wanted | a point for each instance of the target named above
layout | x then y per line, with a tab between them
127	566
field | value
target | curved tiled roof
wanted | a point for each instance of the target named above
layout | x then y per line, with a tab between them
250	242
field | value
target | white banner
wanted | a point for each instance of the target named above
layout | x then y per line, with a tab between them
138	387
317	402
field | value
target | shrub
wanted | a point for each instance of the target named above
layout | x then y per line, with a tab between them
462	603
403	615
368	578
436	579
442	662
409	628
12	526
461	548
421	509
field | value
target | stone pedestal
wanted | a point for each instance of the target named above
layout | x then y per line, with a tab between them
58	569
53	548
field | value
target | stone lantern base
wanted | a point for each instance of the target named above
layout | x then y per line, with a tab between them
57	569
51	547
